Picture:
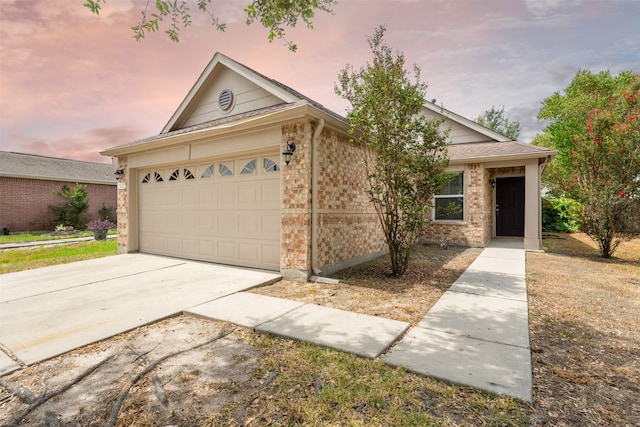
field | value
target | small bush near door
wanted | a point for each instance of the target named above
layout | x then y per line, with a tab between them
561	215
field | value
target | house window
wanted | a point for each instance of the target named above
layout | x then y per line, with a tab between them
449	202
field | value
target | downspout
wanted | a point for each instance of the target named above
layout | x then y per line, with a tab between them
314	197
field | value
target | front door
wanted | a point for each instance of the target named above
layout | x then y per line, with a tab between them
510	206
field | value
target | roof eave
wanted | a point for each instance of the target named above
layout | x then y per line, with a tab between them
57	178
495	136
503	158
249	124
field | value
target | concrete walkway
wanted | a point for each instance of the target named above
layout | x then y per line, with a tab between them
477	334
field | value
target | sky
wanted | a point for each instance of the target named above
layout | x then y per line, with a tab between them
73	84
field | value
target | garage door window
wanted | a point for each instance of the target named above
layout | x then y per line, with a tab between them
270	165
156	177
188	174
249	168
208	172
225	170
174	176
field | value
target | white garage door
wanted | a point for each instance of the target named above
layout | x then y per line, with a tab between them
226	211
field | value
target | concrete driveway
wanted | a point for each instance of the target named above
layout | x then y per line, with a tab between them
49	311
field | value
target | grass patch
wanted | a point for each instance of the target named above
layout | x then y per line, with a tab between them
42	256
317	386
38	236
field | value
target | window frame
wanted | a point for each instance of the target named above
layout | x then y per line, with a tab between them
461	195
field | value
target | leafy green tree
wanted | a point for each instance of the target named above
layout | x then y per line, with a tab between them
403	152
596	130
71	213
274	15
496	119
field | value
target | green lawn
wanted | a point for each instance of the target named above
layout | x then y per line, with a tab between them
36	236
42	256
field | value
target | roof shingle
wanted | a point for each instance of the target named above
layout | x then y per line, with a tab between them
33	166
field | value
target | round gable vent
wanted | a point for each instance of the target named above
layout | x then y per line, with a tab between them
225	100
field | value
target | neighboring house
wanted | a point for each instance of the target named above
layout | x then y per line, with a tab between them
28	182
214	184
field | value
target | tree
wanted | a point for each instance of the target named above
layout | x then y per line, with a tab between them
274	15
596	130
71	213
404	153
497	120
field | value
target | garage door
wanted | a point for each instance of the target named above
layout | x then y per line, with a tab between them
225	211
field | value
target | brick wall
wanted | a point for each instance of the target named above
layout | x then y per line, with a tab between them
25	203
348	224
295	252
476	228
122	206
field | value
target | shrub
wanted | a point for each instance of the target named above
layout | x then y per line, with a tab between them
100	225
71	213
107	212
561	215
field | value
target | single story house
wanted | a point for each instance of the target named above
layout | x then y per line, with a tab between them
28	182
216	184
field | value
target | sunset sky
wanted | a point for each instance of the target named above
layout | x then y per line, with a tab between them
73	84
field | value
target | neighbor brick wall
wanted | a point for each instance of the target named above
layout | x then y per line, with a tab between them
476	228
25	203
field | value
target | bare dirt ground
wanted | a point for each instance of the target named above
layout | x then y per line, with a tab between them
172	372
584	320
369	289
185	371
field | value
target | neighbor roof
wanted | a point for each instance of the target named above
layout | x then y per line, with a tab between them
32	166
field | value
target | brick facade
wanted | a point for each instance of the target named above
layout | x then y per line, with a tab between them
122	205
349	227
295	244
25	202
477	227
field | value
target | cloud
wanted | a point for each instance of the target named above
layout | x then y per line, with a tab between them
74	82
549	7
80	146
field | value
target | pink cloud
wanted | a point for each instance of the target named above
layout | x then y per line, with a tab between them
77	83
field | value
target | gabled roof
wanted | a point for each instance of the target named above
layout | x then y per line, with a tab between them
471	141
251	120
31	166
489	133
281	91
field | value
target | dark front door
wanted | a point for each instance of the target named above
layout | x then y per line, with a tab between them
510	206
